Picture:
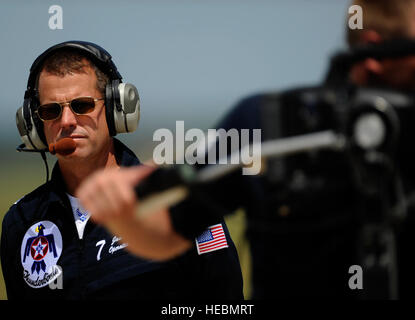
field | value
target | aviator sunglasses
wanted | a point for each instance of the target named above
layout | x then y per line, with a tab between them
79	106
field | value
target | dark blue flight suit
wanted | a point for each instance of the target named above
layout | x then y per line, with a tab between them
110	273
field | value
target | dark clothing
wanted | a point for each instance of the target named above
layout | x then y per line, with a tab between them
96	267
298	214
303	213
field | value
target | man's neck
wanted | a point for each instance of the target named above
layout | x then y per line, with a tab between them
75	171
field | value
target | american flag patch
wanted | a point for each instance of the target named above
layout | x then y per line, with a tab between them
212	239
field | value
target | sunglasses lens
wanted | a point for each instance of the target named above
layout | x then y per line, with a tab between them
52	111
83	105
49	111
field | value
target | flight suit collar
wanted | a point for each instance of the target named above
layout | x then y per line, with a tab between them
124	156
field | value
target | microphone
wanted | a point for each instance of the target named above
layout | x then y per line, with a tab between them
64	147
22	148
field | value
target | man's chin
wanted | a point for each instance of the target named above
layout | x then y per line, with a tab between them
78	154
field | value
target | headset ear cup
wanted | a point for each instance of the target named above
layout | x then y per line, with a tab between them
109	109
126	118
30	130
38	124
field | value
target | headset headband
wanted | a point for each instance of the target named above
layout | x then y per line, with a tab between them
98	55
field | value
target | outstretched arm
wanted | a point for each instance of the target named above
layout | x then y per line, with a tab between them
110	198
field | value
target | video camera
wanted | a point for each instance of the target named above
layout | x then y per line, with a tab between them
325	131
377	124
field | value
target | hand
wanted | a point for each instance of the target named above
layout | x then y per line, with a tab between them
109	194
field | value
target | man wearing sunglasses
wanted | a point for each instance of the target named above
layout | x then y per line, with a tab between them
48	241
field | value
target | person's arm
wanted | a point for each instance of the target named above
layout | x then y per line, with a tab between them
110	198
169	232
11	278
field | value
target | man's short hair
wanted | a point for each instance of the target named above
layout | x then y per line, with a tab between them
69	61
389	18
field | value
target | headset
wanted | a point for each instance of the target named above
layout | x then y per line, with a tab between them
122	102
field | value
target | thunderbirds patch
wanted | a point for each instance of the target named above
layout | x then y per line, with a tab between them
40	251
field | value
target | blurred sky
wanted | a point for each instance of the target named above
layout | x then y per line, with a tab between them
190	59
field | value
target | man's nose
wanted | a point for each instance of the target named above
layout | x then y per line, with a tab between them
68	118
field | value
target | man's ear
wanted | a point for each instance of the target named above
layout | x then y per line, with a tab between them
362	71
373	66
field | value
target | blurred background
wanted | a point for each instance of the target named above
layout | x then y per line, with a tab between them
191	60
